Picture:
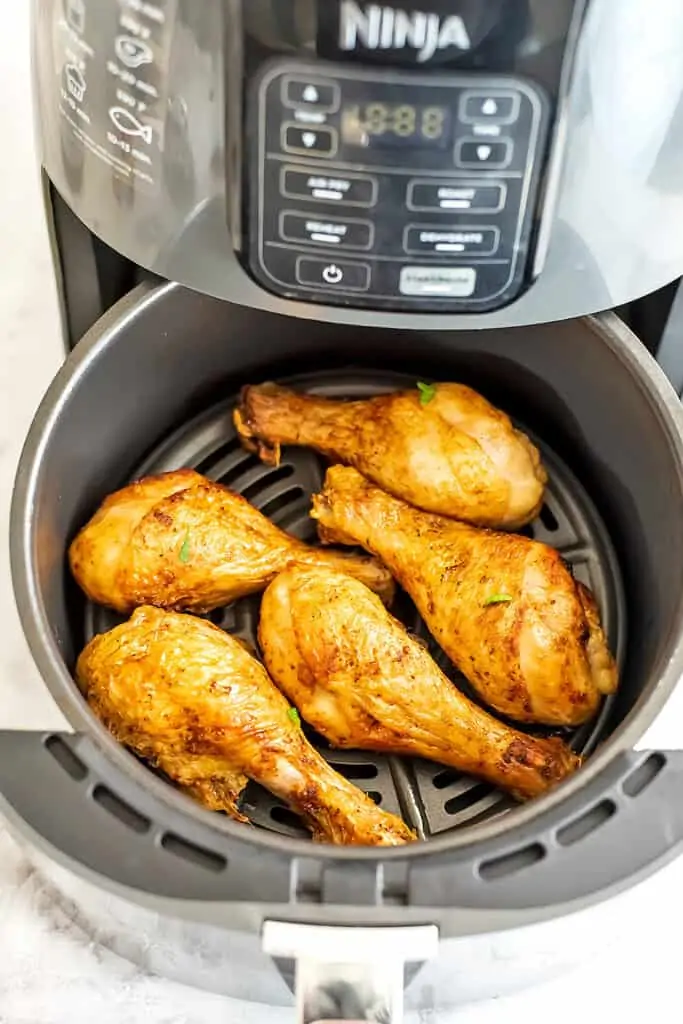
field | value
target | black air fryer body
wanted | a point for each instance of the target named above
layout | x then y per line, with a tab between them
351	197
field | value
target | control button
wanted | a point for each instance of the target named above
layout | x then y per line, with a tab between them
473	153
340	233
425	238
318	141
438	282
346	190
316	95
492	106
323	274
429	195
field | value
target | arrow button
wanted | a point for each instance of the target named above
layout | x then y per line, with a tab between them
318	141
473	153
321	96
493	107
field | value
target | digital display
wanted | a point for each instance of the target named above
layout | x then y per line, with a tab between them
380	125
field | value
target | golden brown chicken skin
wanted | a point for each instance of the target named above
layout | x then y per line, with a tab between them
192	701
453	454
505	609
182	542
362	682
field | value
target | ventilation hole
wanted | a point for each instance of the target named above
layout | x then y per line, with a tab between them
116	807
65	757
194	854
641	777
374	795
446	778
232	475
282	501
548	519
586	823
500	867
283	816
206	464
466	799
356	771
267	480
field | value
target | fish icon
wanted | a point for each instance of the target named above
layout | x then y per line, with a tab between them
129	124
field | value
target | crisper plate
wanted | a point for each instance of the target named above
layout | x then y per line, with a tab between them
431	798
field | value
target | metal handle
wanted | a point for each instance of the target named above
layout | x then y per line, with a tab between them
350	975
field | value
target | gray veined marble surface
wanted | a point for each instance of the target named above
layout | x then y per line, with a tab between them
52	971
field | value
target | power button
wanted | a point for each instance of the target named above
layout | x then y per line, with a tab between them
326	273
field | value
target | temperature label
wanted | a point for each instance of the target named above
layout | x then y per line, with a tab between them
112	84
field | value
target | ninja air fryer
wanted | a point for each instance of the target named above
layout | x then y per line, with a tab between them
350	197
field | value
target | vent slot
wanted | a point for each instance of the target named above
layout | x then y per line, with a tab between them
113	805
197	855
283	816
642	776
232	475
467	799
446	778
511	863
586	823
65	758
355	772
282	501
549	519
267	480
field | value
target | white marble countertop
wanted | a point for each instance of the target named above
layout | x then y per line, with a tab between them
51	972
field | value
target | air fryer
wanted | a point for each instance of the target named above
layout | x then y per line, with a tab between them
178	290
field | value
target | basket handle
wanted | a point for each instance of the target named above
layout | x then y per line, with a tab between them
351	975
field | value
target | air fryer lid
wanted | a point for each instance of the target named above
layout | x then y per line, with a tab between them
149	389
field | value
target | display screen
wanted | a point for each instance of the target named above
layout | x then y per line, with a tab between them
379	125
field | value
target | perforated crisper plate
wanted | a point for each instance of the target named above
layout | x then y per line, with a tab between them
433	799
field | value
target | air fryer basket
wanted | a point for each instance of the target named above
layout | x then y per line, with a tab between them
151	389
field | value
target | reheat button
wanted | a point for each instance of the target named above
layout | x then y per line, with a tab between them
339	233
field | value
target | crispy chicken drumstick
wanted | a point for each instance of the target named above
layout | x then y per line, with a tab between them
454	454
181	541
505	609
363	682
191	700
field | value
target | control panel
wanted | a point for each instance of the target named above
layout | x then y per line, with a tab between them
392	190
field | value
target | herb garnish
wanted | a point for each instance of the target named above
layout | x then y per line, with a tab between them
427	392
184	553
497	599
294	715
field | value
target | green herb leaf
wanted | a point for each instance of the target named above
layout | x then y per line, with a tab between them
184	553
294	715
427	392
497	599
